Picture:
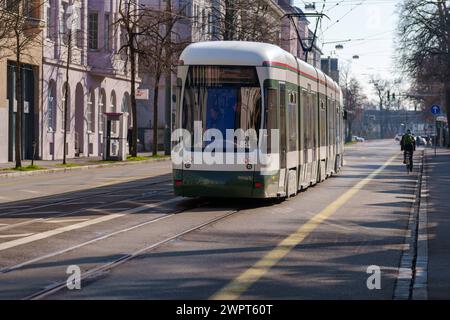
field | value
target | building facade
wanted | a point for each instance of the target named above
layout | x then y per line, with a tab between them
98	77
31	71
203	21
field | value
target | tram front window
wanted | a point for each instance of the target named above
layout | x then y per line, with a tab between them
222	98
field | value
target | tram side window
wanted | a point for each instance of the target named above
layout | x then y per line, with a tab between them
330	118
282	118
305	119
333	127
313	120
292	122
270	113
188	110
323	124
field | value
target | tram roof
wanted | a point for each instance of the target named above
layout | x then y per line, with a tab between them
247	53
233	53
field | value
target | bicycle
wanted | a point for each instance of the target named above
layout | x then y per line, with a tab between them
409	161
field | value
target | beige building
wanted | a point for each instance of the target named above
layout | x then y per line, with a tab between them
31	68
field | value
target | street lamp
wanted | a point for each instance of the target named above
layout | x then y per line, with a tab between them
339	47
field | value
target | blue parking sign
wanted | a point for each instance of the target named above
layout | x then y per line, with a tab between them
435	109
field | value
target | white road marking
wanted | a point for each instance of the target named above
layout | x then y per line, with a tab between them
4	236
31	191
50	233
66	220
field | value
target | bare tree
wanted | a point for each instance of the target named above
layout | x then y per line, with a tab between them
20	30
240	20
353	101
6	29
424	42
160	48
129	18
381	88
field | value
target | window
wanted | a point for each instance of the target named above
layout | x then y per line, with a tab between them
51	107
203	21
209	23
63	23
292	122
101	111
107	33
12	5
27	8
112	108
323	123
222	98
93	31
90	114
63	100
195	14
270	114
283	125
49	21
123	42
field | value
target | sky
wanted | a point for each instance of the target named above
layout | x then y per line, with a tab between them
371	26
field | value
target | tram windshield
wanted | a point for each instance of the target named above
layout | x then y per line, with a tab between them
222	97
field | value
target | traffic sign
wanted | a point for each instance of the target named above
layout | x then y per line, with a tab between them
435	109
141	94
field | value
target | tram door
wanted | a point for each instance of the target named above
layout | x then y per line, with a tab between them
283	145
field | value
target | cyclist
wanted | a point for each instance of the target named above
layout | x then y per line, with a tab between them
408	143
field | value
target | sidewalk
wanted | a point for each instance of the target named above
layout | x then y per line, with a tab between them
52	166
438	181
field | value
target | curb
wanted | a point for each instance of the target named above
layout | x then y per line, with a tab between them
420	289
410	258
79	168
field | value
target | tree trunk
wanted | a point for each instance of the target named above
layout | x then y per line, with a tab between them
19	111
133	102
155	116
168	80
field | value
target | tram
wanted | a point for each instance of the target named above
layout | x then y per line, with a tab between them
249	85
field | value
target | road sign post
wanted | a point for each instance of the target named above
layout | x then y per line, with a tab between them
436	111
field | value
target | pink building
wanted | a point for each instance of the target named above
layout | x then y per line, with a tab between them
98	80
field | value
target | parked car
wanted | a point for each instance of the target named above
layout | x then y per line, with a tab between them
398	137
421	141
358	139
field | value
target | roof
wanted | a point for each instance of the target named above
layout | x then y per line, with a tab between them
233	53
245	53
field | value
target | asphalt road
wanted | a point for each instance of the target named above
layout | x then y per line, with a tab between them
132	239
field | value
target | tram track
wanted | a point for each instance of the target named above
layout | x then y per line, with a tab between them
98	271
78	211
74	199
92	241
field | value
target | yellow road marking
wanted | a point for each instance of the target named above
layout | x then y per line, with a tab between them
242	282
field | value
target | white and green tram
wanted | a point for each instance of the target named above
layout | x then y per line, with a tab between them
248	85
